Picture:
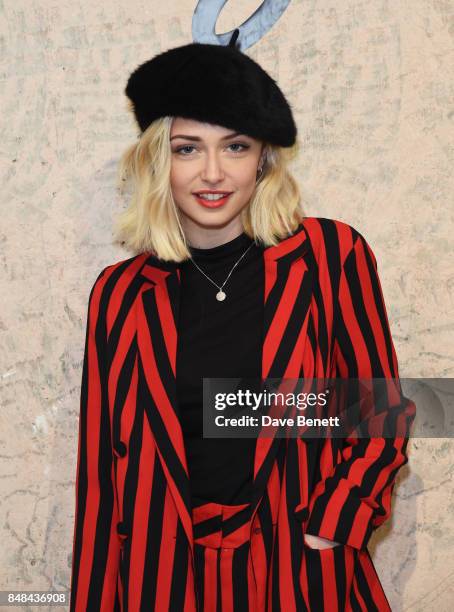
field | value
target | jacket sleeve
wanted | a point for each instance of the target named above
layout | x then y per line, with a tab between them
355	497
95	558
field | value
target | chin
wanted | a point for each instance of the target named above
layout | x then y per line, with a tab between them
213	220
211	217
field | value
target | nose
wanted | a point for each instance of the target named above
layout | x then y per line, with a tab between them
212	170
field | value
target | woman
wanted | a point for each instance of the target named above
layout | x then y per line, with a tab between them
230	280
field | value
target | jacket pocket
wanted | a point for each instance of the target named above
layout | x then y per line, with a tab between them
326	575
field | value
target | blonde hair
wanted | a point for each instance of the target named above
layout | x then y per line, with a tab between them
151	221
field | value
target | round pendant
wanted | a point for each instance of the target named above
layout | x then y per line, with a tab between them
220	296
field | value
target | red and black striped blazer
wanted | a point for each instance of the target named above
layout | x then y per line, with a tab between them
324	316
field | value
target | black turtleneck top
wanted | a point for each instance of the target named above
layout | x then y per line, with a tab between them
224	340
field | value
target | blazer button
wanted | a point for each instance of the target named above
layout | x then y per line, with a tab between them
257	530
120	449
121	529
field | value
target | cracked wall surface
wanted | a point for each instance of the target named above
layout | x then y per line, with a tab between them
371	87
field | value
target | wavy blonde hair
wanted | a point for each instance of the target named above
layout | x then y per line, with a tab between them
151	221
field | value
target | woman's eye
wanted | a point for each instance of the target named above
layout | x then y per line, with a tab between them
239	144
184	150
185	147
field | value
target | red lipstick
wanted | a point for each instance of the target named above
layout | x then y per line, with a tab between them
211	203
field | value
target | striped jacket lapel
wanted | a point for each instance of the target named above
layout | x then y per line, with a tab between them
287	297
157	339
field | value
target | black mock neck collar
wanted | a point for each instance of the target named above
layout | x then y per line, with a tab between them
236	246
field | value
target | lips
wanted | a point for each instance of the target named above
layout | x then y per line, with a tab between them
212	203
199	193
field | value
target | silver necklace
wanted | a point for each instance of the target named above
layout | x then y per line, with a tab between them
221	295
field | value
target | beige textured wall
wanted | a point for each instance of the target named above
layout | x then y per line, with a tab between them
371	84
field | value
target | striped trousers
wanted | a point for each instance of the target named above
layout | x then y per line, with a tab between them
223	567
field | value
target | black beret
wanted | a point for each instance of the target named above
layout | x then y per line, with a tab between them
215	84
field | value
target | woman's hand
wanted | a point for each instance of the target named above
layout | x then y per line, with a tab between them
318	542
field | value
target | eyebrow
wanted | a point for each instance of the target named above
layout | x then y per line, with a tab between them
197	139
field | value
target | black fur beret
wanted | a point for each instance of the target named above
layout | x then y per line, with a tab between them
215	84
